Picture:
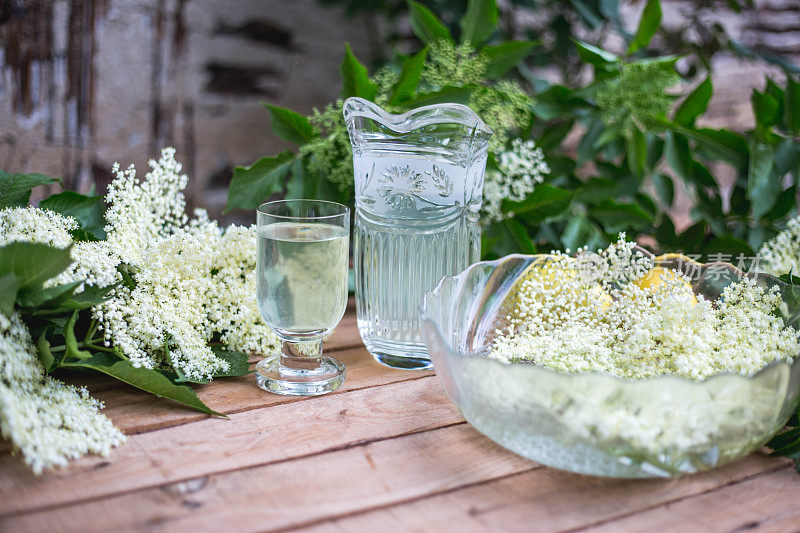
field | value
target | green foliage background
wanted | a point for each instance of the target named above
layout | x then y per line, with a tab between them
632	128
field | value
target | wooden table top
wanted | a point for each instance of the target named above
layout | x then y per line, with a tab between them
387	451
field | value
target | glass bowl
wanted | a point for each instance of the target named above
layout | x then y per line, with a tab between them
594	423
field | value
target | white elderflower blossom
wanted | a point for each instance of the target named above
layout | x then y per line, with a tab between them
194	282
781	254
49	422
614	323
31	224
191	288
94	263
520	170
140	212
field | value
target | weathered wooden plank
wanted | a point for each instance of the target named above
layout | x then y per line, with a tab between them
254	437
135	411
555	501
295	492
765	503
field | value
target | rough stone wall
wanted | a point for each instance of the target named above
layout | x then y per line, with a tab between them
86	82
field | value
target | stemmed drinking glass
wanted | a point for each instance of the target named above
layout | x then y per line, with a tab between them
302	291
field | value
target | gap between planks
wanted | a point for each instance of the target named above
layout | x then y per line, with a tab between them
253	438
433	479
135	411
554	501
275	495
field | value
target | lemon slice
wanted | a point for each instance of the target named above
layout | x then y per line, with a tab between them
657	277
559	277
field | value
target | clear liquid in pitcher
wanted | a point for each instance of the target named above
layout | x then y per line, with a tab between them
419	182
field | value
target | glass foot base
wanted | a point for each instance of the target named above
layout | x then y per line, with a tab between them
403	356
274	377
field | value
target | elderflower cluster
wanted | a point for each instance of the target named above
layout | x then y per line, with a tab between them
454	64
520	169
193	283
191	288
31	224
781	254
49	422
92	261
329	154
637	98
140	212
619	321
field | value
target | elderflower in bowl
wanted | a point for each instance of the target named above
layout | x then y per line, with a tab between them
617	363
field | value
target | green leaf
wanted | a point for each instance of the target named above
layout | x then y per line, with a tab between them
545	201
729	245
763	187
637	152
765	110
554	135
9	285
520	236
238	361
596	189
289	125
406	86
783	205
146	379
426	26
71	342
90	296
45	354
458	95
580	231
618	216
785	438
586	149
355	80
254	184
701	176
33	263
504	57
664	188
610	134
39	297
791	106
594	55
691	239
655	149
678	155
777	93
89	211
479	22
665	234
15	189
725	144
787	157
695	104
301	185
648	25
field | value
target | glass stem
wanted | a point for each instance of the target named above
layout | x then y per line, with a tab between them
301	355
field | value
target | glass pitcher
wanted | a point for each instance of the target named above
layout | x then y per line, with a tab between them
418	189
